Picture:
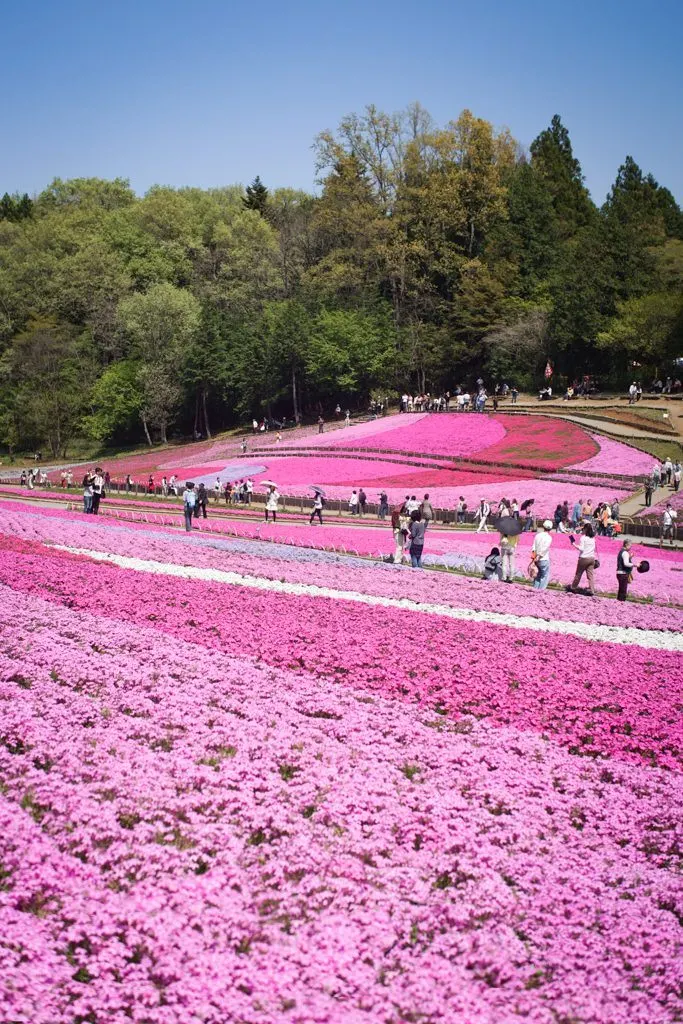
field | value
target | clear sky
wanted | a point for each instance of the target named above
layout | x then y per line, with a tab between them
213	92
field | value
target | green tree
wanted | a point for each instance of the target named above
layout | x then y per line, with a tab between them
49	368
553	159
256	197
115	401
160	325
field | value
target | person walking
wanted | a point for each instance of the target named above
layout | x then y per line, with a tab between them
318	503
164	487
587	560
189	502
625	567
426	511
540	554
353	503
482	515
416	532
667	470
676	476
383	510
508	549
272	502
460	510
321	425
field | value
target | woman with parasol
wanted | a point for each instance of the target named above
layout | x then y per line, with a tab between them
272	498
318	504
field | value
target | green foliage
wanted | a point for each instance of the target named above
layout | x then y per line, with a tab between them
430	256
115	402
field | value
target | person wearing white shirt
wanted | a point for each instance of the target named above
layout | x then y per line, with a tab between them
272	500
669	523
586	562
217	489
540	553
482	515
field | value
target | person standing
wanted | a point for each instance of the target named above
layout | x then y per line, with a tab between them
347	418
508	548
426	511
317	508
383	505
482	515
228	491
540	553
202	501
362	501
249	490
586	562
353	503
513	394
649	489
87	492
625	568
321	425
217	490
189	503
397	526
667	470
669	523
416	531
271	502
460	509
97	490
164	487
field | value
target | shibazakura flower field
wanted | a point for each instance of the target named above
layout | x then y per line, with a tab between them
516	456
247	781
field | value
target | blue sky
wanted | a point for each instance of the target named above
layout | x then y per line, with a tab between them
211	93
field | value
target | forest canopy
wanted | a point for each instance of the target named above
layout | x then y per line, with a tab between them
430	255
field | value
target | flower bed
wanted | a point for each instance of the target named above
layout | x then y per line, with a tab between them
254	801
302	853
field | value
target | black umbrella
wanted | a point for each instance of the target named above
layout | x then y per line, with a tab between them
644	566
509	526
525	504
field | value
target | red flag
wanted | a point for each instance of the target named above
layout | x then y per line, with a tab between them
548	370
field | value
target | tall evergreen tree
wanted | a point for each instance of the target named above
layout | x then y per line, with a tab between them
256	197
553	158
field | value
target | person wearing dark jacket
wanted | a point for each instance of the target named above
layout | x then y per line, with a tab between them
201	502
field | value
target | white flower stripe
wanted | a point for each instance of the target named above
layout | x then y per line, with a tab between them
647	638
651	639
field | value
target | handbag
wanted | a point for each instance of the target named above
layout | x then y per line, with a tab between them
532	571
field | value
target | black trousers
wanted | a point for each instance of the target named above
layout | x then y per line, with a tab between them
317	512
96	498
622	580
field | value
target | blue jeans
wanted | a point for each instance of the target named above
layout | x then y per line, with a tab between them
541	581
87	502
188	510
416	557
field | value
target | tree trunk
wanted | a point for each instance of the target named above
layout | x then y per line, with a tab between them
162	432
196	416
295	399
207	428
146	429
